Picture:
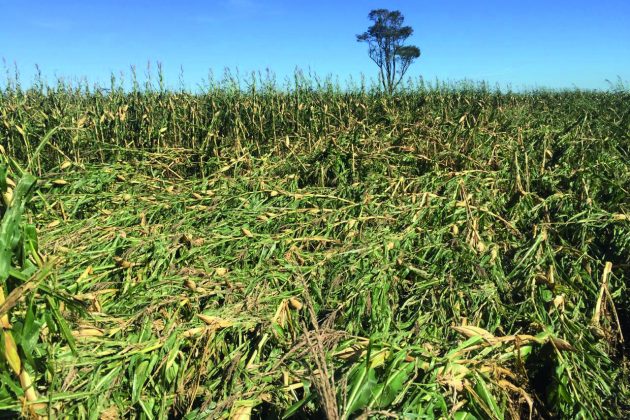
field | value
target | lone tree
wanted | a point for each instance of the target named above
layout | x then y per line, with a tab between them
385	39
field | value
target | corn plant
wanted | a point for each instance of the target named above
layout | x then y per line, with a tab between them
309	251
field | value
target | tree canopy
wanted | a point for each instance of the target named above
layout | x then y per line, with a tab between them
386	38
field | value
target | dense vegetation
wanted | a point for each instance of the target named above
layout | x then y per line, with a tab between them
252	251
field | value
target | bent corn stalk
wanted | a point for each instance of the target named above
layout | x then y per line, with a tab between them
9	237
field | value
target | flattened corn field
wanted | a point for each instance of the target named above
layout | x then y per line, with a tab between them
449	252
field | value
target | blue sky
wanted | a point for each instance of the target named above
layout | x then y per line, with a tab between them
552	43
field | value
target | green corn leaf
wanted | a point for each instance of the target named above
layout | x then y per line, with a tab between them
363	387
61	324
487	397
10	225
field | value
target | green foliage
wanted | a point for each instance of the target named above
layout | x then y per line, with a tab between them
440	253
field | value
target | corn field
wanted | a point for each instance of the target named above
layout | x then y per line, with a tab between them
309	251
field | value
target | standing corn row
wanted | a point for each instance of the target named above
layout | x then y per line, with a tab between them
259	114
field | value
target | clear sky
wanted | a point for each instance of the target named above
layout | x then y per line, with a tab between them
536	43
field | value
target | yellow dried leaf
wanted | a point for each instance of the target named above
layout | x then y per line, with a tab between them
295	304
247	232
194	331
8	196
65	165
10	352
53	224
242	410
60	182
110	413
122	263
85	274
494	253
21	130
353	352
558	301
470	331
220	271
198	242
87	332
214	321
